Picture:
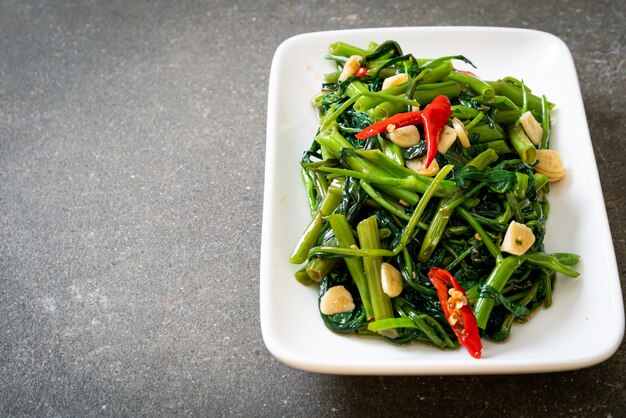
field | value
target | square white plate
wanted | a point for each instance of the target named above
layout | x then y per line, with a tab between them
584	326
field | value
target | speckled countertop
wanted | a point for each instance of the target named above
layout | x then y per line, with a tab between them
132	141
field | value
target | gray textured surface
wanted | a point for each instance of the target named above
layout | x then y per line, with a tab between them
132	142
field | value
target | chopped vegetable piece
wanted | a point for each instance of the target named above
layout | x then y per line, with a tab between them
522	144
518	239
395	80
550	164
435	116
454	305
461	132
337	299
391	280
406	136
399	120
362	72
448	136
350	67
418	165
533	129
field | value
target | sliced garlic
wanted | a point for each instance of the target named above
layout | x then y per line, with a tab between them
518	239
350	67
395	80
337	299
461	132
448	136
550	164
407	136
533	129
391	280
418	165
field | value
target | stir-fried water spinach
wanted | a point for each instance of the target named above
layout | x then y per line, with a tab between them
428	190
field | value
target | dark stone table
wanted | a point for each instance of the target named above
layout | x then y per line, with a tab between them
132	138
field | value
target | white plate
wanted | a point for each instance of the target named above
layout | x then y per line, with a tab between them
586	322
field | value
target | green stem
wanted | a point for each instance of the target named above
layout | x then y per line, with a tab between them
519	190
408	312
506	216
321	184
387	72
345	239
568	259
367	102
367	231
545	123
485	238
407	183
522	144
426	93
551	261
499	146
484	159
546	278
540	180
475	84
485	133
332	77
381	160
307	240
508	117
310	190
386	97
309	237
317	268
458	259
329	118
355	88
525	300
346	50
516	207
351	252
514	93
407	233
302	277
464	112
430	63
378	198
524	98
438	73
389	324
447	206
391	150
475	120
438	224
499	102
385	110
496	280
491	223
333	142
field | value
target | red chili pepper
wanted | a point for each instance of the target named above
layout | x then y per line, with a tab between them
398	120
362	72
465	327
435	116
